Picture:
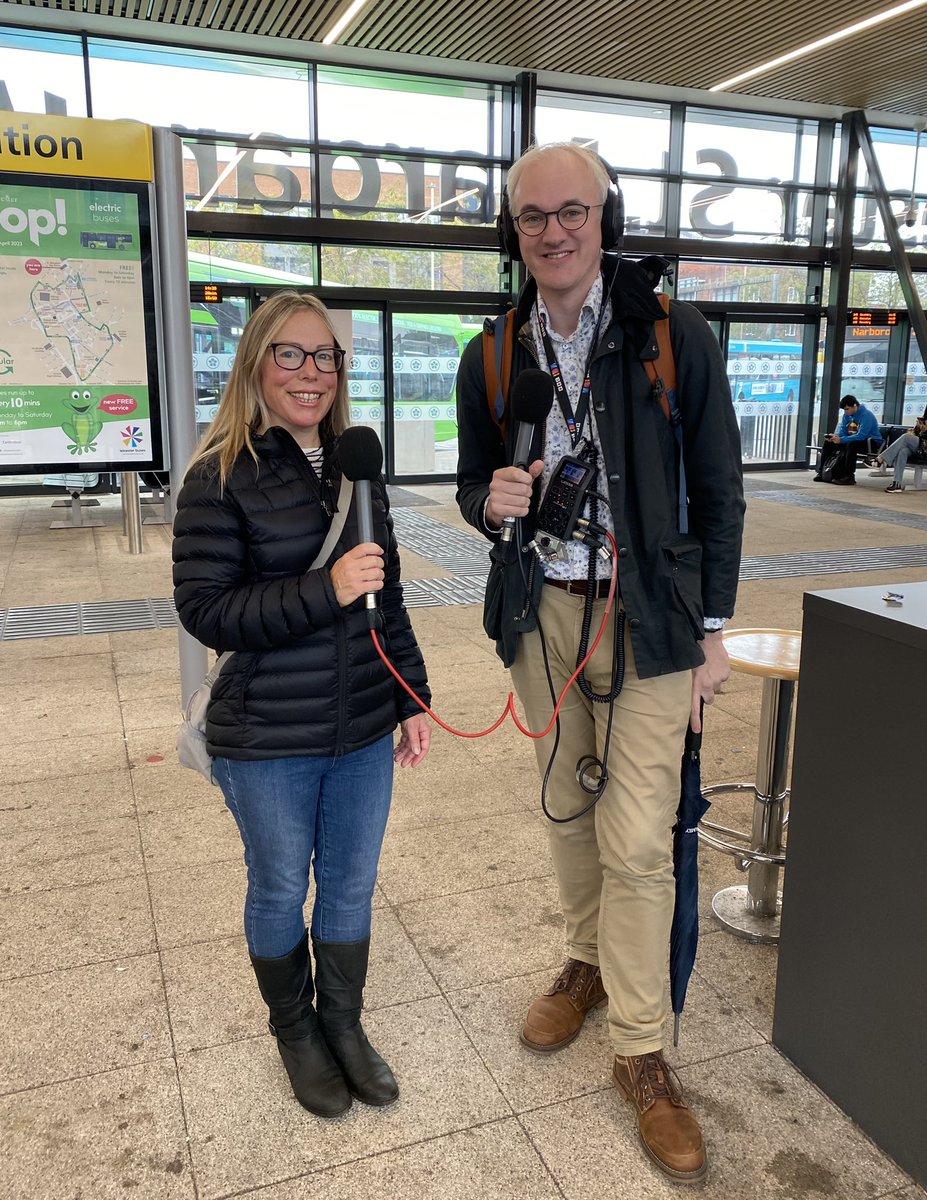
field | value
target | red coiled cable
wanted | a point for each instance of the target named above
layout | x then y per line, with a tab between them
509	709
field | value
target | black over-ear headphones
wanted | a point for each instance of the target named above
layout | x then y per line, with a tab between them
612	219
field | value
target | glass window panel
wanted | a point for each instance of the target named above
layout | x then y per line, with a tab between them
367	371
217	330
875	289
817	431
865	360
869	231
245	179
835	155
363	188
741	283
749	146
627	134
42	72
194	90
426	355
644	205
745	214
258	263
764	363
894	151
915	384
431	270
373	108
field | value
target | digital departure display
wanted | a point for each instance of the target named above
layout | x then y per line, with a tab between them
205	293
873	318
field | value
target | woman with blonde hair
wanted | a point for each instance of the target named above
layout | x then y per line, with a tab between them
301	718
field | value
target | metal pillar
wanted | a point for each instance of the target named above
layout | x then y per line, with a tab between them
131	511
837	300
900	261
177	349
772	769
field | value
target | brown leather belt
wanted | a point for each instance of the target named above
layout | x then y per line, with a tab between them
580	587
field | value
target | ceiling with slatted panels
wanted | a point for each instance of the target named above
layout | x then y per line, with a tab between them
678	43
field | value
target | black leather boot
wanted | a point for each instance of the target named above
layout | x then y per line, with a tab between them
340	975
286	985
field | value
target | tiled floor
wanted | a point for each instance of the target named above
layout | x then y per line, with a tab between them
135	1061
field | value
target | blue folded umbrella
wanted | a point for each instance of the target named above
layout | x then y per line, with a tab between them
684	934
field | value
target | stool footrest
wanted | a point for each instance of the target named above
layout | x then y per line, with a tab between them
743	853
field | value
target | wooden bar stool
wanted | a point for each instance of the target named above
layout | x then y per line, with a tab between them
752	910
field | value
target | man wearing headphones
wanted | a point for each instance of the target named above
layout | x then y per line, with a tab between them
588	318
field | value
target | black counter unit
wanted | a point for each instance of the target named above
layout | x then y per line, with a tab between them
851	995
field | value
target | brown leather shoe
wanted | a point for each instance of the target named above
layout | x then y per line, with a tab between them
556	1017
669	1132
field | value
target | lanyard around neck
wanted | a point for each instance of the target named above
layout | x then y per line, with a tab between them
575	420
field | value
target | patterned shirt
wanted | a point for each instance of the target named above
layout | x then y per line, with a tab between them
572	354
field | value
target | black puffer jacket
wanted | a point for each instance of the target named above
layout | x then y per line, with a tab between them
307	678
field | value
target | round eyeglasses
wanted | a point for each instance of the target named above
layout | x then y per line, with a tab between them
570	216
328	359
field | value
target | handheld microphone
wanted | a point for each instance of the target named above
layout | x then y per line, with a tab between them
532	399
361	457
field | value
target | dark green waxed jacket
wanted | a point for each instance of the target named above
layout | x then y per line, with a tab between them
669	581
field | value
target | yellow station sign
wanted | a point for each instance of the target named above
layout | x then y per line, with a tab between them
39	144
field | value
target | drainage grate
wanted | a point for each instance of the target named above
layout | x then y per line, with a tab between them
52	620
101	616
832	562
466	556
429	593
858	512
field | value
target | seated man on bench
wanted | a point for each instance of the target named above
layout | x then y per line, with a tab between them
838	454
897	454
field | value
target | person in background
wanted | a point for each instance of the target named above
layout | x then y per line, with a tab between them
302	716
856	428
589	318
897	454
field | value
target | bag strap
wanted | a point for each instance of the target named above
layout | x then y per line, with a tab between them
345	496
662	369
497	364
334	530
662	372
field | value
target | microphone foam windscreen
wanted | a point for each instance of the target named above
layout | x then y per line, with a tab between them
532	396
360	453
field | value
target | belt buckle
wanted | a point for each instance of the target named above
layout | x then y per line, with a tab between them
576	587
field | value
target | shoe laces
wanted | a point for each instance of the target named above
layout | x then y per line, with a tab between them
573	978
655	1079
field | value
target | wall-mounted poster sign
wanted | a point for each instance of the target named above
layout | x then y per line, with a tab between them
78	361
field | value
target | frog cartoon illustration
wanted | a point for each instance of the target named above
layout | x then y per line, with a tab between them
84	427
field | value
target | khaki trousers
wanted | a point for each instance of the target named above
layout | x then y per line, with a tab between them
614	865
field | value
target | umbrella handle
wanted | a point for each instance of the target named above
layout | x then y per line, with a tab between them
693	739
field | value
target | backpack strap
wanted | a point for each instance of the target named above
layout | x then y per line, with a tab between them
662	369
498	352
662	372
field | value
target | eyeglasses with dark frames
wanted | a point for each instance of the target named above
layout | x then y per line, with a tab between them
532	222
327	359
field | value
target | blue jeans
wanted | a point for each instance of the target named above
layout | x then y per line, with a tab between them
293	812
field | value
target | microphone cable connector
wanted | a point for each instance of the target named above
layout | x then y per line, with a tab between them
594	536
